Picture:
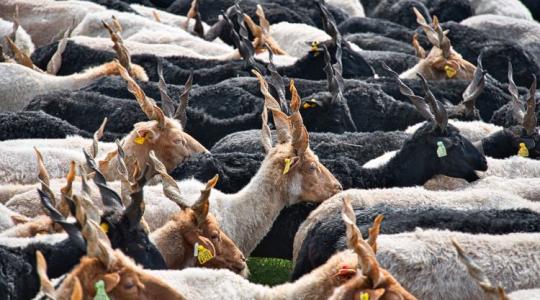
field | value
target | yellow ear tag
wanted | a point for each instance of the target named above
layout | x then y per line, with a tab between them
140	140
203	255
315	47
523	151
307	105
104	227
364	296
450	72
287	167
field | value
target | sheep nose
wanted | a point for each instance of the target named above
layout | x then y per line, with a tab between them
338	187
242	257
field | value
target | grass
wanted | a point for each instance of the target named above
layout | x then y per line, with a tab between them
269	271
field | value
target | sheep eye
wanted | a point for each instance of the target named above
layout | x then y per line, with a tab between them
312	167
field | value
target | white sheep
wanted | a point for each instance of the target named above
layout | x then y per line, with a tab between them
295	38
45	20
352	7
19	84
509	8
468	199
426	263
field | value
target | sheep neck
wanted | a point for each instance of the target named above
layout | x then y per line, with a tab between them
83	79
400	171
254	208
318	284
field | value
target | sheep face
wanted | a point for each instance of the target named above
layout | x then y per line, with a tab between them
170	143
126	233
209	234
519	135
360	285
123	280
321	114
304	176
31	227
444	152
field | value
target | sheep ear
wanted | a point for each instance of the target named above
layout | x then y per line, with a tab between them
170	188
111	281
266	136
418	49
181	111
529	120
374	232
46	286
201	207
517	110
475	88
19	219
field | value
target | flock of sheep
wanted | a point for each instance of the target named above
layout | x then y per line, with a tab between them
387	147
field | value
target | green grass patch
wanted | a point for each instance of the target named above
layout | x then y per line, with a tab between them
269	271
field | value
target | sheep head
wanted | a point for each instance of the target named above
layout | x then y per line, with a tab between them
373	281
199	228
122	278
526	132
437	147
442	62
164	135
297	169
125	226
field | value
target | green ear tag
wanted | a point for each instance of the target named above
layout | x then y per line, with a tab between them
441	150
100	291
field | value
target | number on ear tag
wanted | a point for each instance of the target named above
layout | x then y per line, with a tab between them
140	140
204	255
523	151
441	149
287	167
450	72
101	294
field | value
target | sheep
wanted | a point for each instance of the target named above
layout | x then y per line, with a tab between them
192	220
524	32
513	9
442	62
294	38
103	263
42	20
26	227
122	278
327	235
315	285
9	218
21	84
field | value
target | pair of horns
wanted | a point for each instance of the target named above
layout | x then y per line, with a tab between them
289	128
193	13
429	107
262	33
434	33
168	104
364	249
527	117
172	191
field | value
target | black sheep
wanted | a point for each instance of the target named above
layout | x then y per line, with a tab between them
327	236
30	124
